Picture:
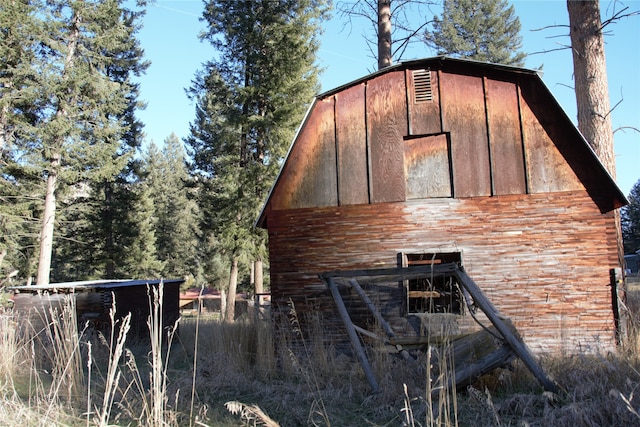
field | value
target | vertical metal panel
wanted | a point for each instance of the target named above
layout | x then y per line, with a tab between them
507	158
387	124
424	117
310	178
351	135
426	162
463	114
547	170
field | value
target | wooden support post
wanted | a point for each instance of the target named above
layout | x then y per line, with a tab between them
492	314
353	336
472	371
385	325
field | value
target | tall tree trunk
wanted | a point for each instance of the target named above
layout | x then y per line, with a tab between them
108	218
48	220
230	311
590	74
258	277
49	215
592	97
384	34
4	127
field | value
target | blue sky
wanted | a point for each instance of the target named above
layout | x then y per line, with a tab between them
170	40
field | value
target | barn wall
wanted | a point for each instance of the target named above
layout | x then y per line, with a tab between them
542	261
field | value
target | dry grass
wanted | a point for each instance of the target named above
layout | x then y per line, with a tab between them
217	374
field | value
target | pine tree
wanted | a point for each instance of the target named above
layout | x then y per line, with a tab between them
482	30
177	214
20	185
72	131
141	257
630	216
249	103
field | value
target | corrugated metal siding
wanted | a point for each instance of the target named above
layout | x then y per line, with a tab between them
543	262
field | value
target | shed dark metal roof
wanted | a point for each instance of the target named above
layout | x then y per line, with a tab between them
92	284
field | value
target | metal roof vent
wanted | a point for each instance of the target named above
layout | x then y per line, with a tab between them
422	86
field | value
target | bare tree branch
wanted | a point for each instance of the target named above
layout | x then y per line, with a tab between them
549	26
618	16
549	50
623	128
402	15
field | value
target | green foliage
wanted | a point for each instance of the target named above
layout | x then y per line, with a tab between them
630	218
485	30
248	105
65	93
175	210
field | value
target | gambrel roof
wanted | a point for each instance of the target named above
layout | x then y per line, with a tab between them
437	127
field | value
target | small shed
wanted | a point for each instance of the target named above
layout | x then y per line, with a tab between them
34	304
440	161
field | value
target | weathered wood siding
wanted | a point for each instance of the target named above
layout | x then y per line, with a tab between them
373	142
542	261
424	116
311	174
351	136
386	103
506	143
464	116
445	156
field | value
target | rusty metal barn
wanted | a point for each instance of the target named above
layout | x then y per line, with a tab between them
34	305
441	162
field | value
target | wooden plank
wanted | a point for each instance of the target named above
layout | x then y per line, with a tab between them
518	346
387	125
427	167
394	274
466	374
353	337
507	157
351	136
464	116
378	316
424	294
424	116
